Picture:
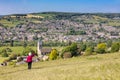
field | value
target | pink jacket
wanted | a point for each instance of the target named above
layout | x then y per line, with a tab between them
29	58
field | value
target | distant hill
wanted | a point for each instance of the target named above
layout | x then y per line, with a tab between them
94	26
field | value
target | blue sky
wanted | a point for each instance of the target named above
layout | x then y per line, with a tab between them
84	6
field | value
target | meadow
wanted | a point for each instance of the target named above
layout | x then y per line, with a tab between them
94	67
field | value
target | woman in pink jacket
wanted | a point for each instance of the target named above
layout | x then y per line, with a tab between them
29	60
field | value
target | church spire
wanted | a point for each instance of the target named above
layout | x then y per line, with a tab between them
39	47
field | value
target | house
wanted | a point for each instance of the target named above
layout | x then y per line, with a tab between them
45	51
33	16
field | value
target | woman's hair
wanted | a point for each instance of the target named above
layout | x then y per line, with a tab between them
30	54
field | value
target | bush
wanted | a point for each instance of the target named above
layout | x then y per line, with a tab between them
88	51
101	48
115	47
53	55
4	54
67	55
8	50
66	49
13	57
72	49
82	47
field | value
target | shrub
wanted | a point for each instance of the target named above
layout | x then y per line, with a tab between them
88	51
115	47
67	55
13	57
53	55
72	49
4	54
66	49
3	50
8	50
82	47
101	48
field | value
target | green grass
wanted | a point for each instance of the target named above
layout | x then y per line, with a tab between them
15	50
95	67
2	59
18	49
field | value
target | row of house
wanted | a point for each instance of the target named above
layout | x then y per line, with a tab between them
23	16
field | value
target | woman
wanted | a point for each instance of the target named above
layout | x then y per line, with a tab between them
29	60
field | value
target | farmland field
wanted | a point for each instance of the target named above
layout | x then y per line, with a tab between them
94	67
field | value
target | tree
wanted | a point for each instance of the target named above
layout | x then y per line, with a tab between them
53	55
24	44
11	43
25	38
101	47
115	47
73	49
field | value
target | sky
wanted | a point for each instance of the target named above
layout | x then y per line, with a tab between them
79	6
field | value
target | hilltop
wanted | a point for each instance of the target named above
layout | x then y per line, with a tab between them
95	67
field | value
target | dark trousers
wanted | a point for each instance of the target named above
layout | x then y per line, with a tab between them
29	65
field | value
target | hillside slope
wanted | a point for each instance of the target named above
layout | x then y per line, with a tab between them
95	67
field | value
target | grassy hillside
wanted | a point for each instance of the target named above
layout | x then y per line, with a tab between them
94	18
95	67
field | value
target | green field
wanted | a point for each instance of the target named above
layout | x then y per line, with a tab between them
17	49
95	67
20	49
